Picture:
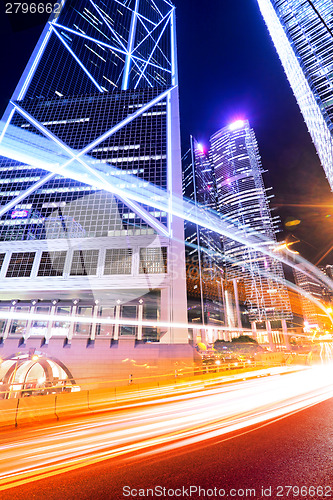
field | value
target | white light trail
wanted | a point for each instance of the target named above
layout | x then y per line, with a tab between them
44	153
166	423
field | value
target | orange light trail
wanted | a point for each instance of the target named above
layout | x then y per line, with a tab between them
305	205
172	420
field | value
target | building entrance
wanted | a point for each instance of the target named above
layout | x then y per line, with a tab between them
32	374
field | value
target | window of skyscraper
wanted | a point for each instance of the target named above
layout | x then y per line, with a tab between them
84	328
39	327
2	258
118	261
52	264
105	329
3	321
128	312
20	264
153	260
18	326
62	327
84	263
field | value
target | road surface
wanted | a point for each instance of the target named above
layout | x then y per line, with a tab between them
245	439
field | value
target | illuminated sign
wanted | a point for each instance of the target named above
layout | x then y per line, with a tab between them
20	214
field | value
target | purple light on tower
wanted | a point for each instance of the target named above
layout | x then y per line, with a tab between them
236	125
200	148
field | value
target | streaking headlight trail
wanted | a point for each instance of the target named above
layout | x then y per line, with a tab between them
52	155
170	421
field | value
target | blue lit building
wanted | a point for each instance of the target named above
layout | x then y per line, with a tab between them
242	198
101	90
203	250
230	281
315	318
302	32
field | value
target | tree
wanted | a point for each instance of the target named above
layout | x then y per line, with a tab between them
244	339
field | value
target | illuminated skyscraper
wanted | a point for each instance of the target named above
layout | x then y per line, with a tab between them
302	32
203	246
101	92
242	197
314	316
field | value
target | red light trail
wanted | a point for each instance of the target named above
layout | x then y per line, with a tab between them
174	419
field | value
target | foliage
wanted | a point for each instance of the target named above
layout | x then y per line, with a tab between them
246	345
244	338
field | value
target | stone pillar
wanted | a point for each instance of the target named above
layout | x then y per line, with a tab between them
29	323
93	325
165	316
285	334
116	326
270	337
196	335
72	324
49	326
254	330
203	336
239	320
140	318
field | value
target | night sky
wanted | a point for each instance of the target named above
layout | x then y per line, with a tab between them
228	69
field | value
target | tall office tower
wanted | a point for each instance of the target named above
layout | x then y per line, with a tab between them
204	258
302	34
327	270
100	93
314	317
328	290
241	196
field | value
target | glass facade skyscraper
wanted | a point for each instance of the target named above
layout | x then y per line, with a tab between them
204	257
302	32
314	317
100	93
242	198
233	277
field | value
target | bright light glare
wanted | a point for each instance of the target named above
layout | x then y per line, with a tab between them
236	125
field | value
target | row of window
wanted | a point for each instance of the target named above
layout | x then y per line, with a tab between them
85	262
61	327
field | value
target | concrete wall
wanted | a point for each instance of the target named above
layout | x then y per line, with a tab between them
94	365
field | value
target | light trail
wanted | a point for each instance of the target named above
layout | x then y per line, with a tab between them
173	420
305	205
51	155
57	158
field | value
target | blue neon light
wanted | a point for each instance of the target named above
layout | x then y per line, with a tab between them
77	59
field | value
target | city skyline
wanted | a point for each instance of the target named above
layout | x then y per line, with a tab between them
53	86
236	58
227	178
159	192
246	80
244	199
